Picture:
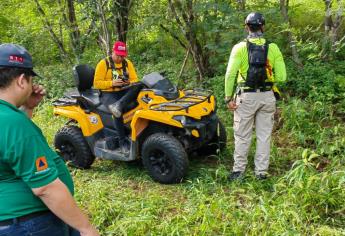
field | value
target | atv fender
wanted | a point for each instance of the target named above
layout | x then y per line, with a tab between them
142	119
89	123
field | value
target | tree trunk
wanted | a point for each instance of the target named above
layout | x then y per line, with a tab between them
121	14
331	39
183	65
284	7
104	36
336	25
186	20
74	30
241	5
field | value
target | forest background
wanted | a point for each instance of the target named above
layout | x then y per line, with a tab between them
191	41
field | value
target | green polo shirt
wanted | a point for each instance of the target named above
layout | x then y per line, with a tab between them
238	65
26	162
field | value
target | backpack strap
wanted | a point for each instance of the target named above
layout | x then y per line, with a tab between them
266	49
110	64
249	44
107	62
124	69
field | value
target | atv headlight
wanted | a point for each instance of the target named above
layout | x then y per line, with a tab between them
181	119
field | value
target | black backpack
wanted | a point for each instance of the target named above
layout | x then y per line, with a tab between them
257	59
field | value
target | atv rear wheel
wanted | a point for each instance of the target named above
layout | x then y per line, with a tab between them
217	143
72	146
164	158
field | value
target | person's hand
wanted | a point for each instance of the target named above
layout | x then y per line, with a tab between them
91	231
126	82
38	92
119	83
232	106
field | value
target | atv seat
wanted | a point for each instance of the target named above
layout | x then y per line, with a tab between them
89	100
83	77
88	97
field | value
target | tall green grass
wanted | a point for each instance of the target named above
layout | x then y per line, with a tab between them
304	196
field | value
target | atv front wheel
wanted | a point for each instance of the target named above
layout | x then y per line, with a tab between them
72	146
164	158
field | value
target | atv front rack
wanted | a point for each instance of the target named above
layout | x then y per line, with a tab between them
191	98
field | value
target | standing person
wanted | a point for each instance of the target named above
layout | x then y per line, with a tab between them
112	74
255	65
35	186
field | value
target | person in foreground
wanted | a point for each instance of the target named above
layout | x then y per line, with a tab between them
35	186
254	65
113	75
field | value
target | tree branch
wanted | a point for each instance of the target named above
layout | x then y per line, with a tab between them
48	26
173	35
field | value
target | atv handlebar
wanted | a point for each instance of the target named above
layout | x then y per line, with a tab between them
130	85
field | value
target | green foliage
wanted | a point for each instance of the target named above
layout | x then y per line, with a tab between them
304	196
318	81
57	79
320	193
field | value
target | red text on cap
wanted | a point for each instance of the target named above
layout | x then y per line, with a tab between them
16	59
121	48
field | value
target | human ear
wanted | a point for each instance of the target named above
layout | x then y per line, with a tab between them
246	28
21	80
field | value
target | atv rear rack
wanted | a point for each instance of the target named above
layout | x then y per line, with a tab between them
192	97
65	101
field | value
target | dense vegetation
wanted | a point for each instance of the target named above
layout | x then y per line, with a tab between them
306	192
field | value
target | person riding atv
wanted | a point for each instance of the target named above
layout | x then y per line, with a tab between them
163	125
112	75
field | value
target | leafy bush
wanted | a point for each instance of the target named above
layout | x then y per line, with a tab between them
317	81
57	79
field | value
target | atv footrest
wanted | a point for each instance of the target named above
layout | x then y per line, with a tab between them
108	143
115	155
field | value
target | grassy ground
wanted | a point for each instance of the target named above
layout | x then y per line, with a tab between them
304	196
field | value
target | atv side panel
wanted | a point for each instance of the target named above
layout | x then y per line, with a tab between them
89	123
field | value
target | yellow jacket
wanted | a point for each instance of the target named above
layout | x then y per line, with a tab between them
103	79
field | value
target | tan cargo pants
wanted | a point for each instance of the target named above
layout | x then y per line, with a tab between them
253	108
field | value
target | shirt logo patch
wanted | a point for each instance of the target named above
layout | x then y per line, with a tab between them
41	163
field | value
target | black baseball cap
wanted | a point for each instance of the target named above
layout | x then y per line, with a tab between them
255	18
12	55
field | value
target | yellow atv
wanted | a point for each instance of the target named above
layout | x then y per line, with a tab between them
164	125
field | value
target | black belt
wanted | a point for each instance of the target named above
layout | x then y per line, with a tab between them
23	218
250	90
